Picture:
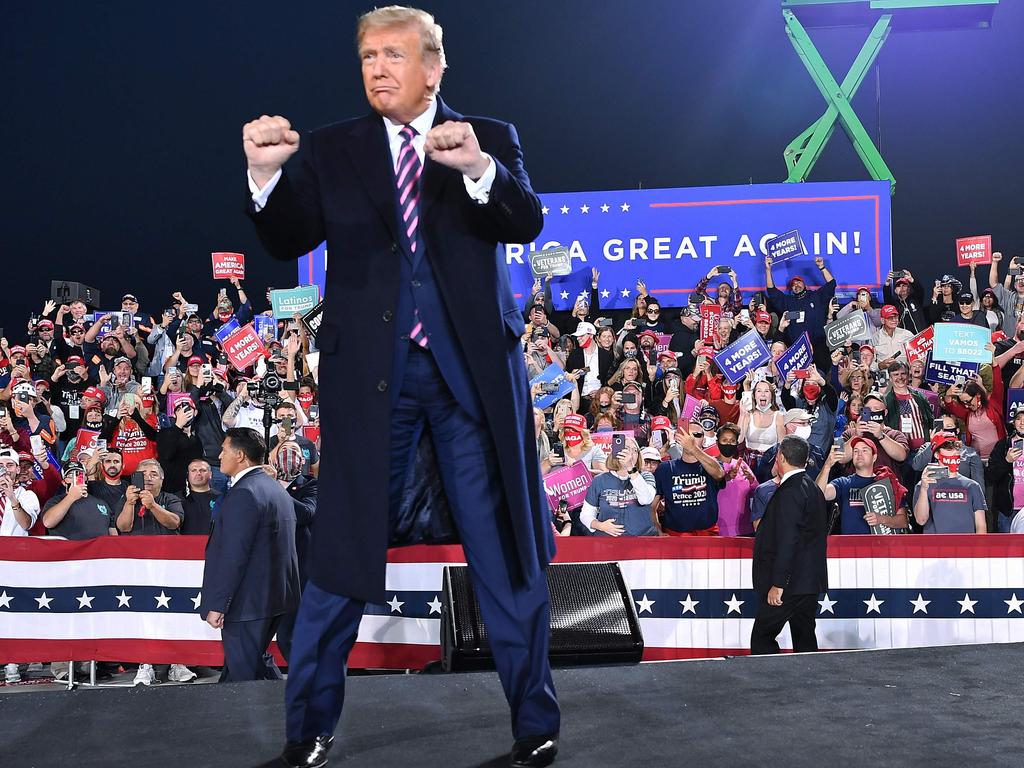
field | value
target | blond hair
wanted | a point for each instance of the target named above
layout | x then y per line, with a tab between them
431	33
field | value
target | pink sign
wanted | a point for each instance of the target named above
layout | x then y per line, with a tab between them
973	250
604	439
690	406
244	347
227	265
569	483
664	339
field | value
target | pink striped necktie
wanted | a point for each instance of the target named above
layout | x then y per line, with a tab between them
409	170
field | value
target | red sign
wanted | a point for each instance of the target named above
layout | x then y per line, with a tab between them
710	314
919	346
974	250
85	441
244	347
228	265
569	483
311	432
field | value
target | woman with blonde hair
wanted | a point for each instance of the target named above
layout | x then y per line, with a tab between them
578	445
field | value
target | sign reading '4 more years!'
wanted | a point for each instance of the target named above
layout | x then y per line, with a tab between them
244	347
974	250
745	354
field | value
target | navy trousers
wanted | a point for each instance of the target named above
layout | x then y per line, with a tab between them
245	650
516	614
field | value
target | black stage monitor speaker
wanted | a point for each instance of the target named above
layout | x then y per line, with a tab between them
65	292
593	619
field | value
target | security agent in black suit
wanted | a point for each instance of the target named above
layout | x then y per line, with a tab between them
789	568
251	577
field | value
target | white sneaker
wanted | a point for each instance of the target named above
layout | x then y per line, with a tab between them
179	673
12	674
145	675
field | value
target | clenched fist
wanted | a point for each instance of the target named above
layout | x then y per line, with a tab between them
268	143
455	145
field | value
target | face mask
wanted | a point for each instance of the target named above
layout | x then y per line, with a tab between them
804	431
951	462
604	407
631	353
572	439
728	449
603	429
586	342
305	401
763	408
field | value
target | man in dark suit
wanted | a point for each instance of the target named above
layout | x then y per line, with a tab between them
414	201
251	576
789	568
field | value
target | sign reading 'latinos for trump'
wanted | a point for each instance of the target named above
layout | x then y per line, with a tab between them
286	303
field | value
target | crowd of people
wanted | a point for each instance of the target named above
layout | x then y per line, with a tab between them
677	449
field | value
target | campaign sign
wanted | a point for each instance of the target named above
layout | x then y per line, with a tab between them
745	354
710	314
553	386
569	484
973	250
553	261
785	247
222	333
286	303
850	328
947	373
244	348
228	265
664	339
172	400
85	440
604	440
920	345
311	432
1014	403
266	327
312	319
797	358
690	406
878	498
961	343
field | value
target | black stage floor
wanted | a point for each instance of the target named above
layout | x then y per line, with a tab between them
942	706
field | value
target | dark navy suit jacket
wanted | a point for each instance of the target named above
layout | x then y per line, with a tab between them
251	568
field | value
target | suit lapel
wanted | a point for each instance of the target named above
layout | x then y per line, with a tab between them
372	159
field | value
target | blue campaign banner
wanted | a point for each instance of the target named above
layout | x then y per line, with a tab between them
554	378
786	247
670	238
797	357
222	333
745	354
961	343
1014	402
286	303
265	327
946	373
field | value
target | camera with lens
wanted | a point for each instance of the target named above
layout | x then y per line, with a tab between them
267	390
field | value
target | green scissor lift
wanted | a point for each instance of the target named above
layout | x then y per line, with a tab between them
882	16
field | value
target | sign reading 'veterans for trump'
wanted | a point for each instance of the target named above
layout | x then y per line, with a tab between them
850	328
553	261
745	354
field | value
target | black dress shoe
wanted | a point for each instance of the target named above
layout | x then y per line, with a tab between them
307	754
534	752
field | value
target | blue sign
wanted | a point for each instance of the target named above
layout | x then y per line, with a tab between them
745	354
961	343
785	247
265	327
222	333
1014	402
947	373
551	378
286	303
670	238
797	358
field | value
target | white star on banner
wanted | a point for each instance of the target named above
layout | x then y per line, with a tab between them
5	601
564	209
826	605
163	601
604	208
123	600
689	604
84	601
625	207
605	293
644	605
396	604
584	209
545	210
564	294
196	601
967	604
734	604
1013	604
625	293
44	601
434	605
873	604
920	605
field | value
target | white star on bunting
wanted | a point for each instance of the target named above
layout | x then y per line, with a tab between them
564	209
196	601
605	293
396	604
920	605
604	208
644	605
689	604
734	604
967	605
584	209
625	207
826	605
564	294
625	293
84	601
5	600
1013	604
434	605
123	600
545	210
874	604
44	601
163	601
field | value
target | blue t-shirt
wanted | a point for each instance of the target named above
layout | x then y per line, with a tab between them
615	500
851	504
690	494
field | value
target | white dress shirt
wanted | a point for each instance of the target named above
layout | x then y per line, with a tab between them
235	478
788	475
29	502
